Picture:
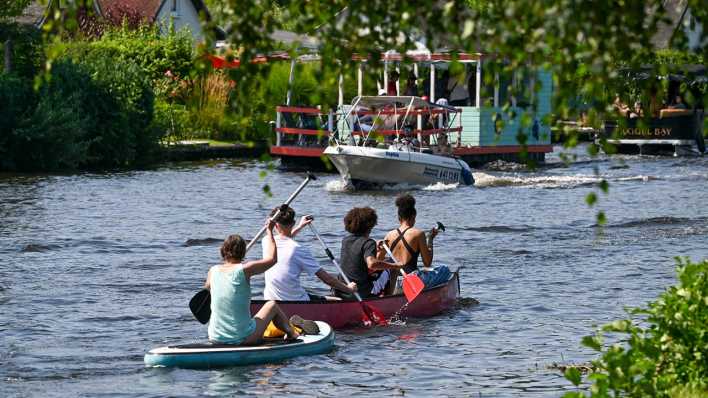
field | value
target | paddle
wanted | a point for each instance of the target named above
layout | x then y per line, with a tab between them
200	304
373	315
439	226
412	284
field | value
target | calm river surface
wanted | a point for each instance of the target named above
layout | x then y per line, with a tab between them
95	269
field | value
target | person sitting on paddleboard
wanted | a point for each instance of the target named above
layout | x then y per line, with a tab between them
359	259
230	287
408	243
282	281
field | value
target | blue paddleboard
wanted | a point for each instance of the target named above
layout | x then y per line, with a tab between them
207	355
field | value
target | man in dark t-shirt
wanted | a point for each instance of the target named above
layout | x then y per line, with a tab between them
360	255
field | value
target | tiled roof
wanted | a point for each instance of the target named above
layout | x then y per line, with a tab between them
147	9
33	14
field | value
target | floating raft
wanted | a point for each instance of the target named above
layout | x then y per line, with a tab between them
208	355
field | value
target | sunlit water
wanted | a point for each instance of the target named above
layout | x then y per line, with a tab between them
95	269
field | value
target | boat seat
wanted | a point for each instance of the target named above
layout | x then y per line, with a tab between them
666	113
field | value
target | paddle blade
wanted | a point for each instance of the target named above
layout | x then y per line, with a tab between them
200	305
412	286
373	316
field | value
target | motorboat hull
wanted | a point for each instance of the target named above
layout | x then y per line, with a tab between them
391	166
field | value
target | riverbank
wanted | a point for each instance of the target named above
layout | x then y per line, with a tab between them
190	150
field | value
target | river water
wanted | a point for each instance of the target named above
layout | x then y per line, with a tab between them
95	269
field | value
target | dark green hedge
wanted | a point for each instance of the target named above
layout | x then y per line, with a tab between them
94	114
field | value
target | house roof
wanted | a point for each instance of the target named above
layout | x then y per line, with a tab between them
34	14
147	9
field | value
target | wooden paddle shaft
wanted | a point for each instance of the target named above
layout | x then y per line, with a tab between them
292	197
334	261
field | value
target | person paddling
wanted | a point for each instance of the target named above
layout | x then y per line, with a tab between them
361	257
282	281
229	284
409	243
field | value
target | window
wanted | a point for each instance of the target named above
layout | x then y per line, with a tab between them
174	6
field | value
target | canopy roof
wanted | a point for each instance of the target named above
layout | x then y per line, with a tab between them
399	101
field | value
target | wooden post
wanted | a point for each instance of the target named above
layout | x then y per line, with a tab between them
432	83
360	79
398	81
478	78
290	82
385	86
8	55
340	99
277	126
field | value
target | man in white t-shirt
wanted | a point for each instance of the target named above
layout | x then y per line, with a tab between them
282	281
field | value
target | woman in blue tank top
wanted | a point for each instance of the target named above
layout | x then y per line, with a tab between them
230	287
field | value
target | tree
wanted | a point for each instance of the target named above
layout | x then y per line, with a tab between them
12	8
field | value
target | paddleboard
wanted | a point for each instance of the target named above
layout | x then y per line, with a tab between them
209	355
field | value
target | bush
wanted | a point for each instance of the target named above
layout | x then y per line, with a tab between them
56	134
17	100
666	359
126	82
154	53
96	114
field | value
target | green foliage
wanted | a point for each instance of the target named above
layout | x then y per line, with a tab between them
154	53
132	139
668	357
27	50
12	8
56	135
93	114
17	99
676	57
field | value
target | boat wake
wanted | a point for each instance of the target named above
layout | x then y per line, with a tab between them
484	180
440	186
338	185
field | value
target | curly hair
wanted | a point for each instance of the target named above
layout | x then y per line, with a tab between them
286	217
360	220
406	207
233	249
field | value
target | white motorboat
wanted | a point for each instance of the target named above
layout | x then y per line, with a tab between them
394	140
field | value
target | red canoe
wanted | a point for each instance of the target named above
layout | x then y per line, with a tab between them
342	314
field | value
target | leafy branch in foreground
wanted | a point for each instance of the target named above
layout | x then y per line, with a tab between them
666	358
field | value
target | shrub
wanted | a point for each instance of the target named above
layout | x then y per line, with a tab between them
17	99
126	82
666	359
94	114
207	105
154	53
56	134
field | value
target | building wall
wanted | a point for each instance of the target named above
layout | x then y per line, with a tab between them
186	17
490	126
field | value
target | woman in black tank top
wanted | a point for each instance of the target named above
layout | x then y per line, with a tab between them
407	242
